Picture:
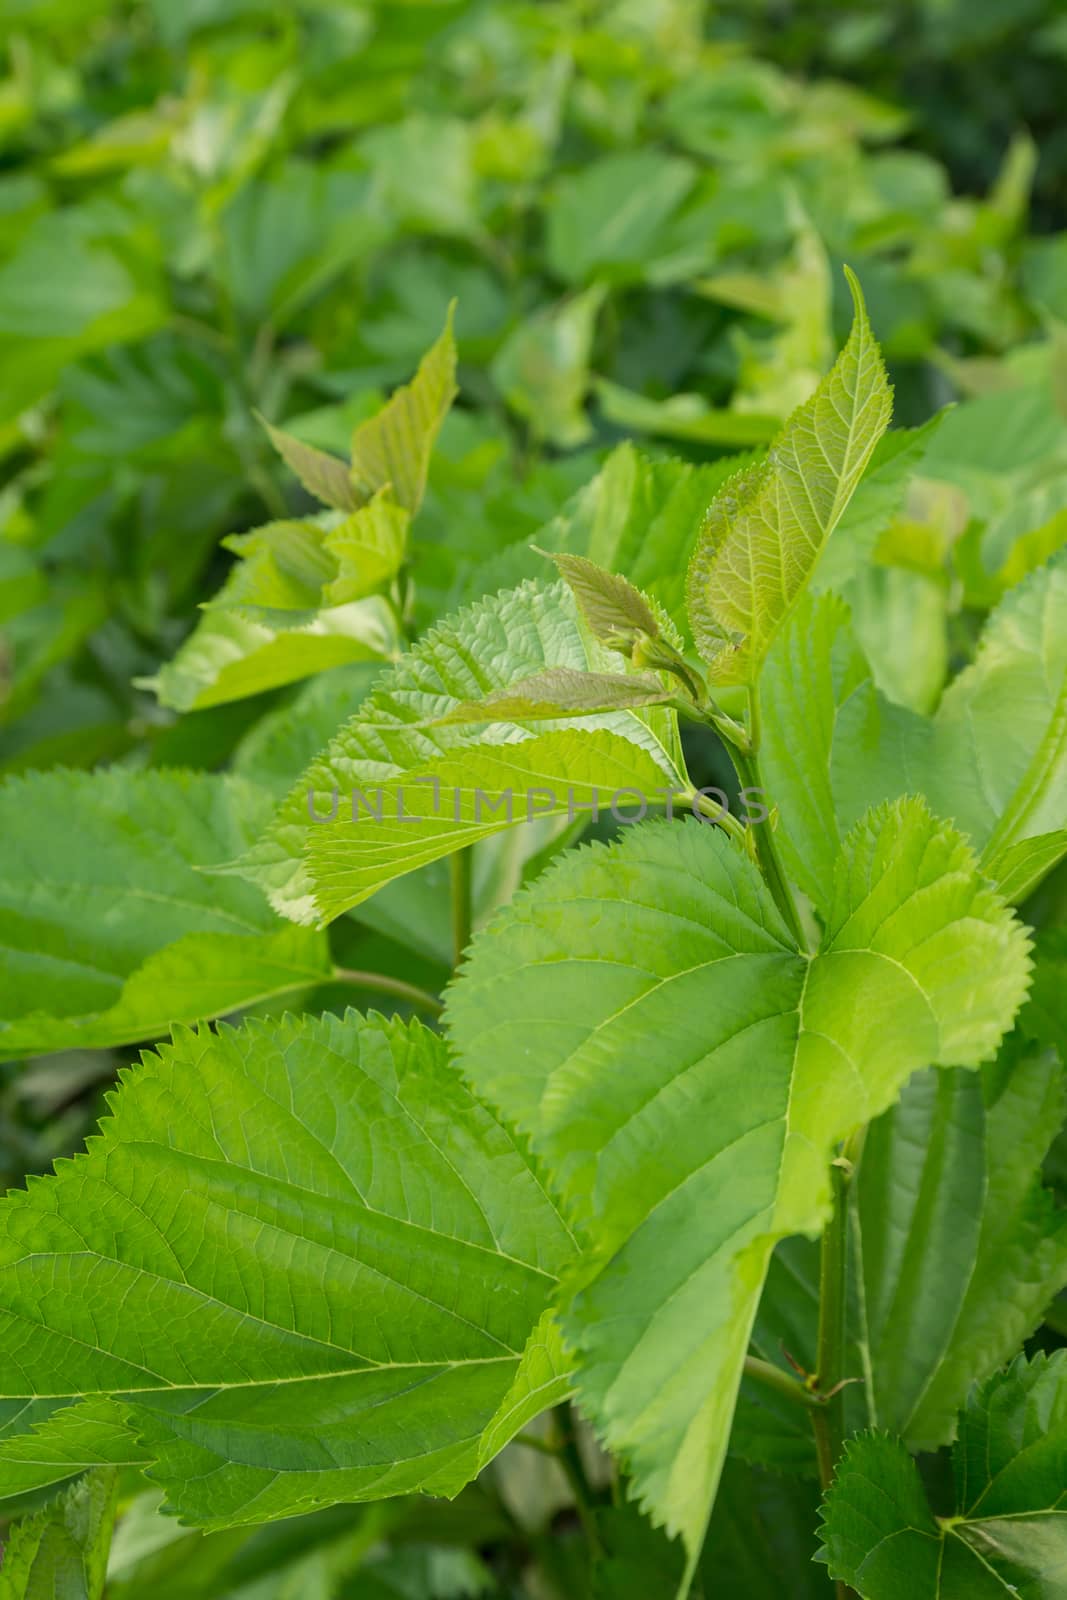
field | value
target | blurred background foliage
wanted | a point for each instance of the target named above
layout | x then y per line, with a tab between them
218	210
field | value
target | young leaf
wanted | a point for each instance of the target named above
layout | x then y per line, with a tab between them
615	611
393	448
369	549
312	1221
322	475
563	692
763	534
61	1553
1008	1534
993	757
411	787
641	517
389	450
613	1012
112	931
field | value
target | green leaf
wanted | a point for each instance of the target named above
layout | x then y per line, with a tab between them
416	787
764	532
610	604
993	757
282	742
312	1220
112	931
390	450
562	692
369	549
542	368
393	448
322	475
301	567
61	1553
233	653
1008	1533
70	1440
613	1013
761	1538
959	1249
641	518
683	416
607	220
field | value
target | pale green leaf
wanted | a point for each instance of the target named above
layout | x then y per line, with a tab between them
389	450
232	654
411	788
369	548
61	1552
763	534
393	448
614	1013
313	1221
111	931
1008	1533
283	567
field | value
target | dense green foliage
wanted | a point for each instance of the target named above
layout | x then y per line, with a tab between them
485	538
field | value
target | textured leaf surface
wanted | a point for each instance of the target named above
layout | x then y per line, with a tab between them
111	932
993	758
685	1072
765	530
61	1553
439	786
51	1441
562	692
313	1221
1009	1532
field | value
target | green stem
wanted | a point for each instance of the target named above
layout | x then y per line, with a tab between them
384	984
829	1421
461	864
714	813
570	1459
747	762
773	1377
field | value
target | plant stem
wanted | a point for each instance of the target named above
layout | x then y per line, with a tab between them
461	863
570	1459
384	984
749	771
773	1377
829	1421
